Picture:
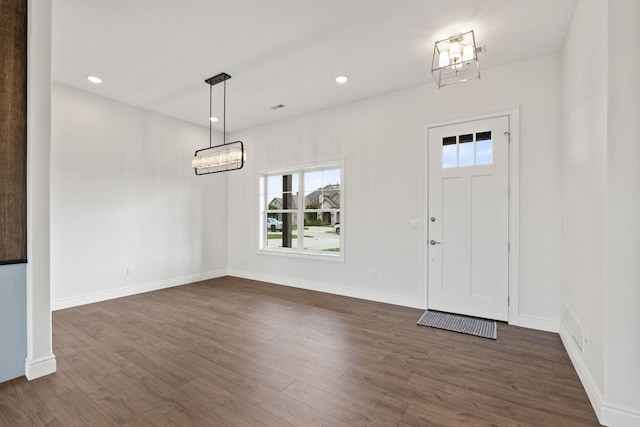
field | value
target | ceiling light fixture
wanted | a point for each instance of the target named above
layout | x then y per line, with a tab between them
94	79
455	59
342	79
220	158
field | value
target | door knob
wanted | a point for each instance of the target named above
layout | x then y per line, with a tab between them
433	242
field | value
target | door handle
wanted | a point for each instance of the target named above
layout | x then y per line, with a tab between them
433	242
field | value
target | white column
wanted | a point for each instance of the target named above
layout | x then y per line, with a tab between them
40	359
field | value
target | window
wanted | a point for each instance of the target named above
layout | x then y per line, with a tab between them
464	150
301	212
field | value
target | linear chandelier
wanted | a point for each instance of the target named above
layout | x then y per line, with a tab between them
455	59
220	158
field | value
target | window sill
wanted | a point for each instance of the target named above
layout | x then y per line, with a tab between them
317	256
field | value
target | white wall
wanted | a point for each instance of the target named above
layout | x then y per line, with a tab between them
601	177
584	160
123	195
622	387
382	140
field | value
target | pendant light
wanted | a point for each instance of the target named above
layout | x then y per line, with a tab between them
219	158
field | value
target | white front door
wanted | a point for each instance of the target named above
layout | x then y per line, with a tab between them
468	218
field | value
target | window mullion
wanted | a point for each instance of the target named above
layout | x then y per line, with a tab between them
300	210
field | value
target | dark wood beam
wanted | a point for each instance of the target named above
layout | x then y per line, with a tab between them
13	131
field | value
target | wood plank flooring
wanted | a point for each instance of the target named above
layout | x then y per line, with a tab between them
242	353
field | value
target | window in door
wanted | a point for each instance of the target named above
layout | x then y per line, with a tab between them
467	150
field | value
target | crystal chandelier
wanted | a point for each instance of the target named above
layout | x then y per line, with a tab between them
220	158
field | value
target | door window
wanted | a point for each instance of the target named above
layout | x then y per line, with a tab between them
467	150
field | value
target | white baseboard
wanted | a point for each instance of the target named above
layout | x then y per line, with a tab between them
608	413
539	323
90	298
588	382
330	289
617	416
40	367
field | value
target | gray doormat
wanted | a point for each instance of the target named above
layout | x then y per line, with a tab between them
455	323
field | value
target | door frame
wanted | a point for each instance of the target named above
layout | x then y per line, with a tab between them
513	115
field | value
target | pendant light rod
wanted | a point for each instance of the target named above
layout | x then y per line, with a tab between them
211	81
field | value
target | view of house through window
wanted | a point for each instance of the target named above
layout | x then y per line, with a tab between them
302	211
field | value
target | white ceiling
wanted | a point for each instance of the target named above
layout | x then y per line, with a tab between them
156	54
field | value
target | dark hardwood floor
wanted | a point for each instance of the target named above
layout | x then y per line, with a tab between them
236	352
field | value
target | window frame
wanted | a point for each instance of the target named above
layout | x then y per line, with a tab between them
455	140
299	211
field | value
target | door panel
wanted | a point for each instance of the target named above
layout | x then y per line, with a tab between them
481	232
468	211
453	207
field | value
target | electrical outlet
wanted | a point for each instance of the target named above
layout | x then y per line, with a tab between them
374	275
129	271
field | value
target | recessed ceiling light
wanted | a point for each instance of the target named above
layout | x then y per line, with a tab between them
94	79
342	79
213	119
